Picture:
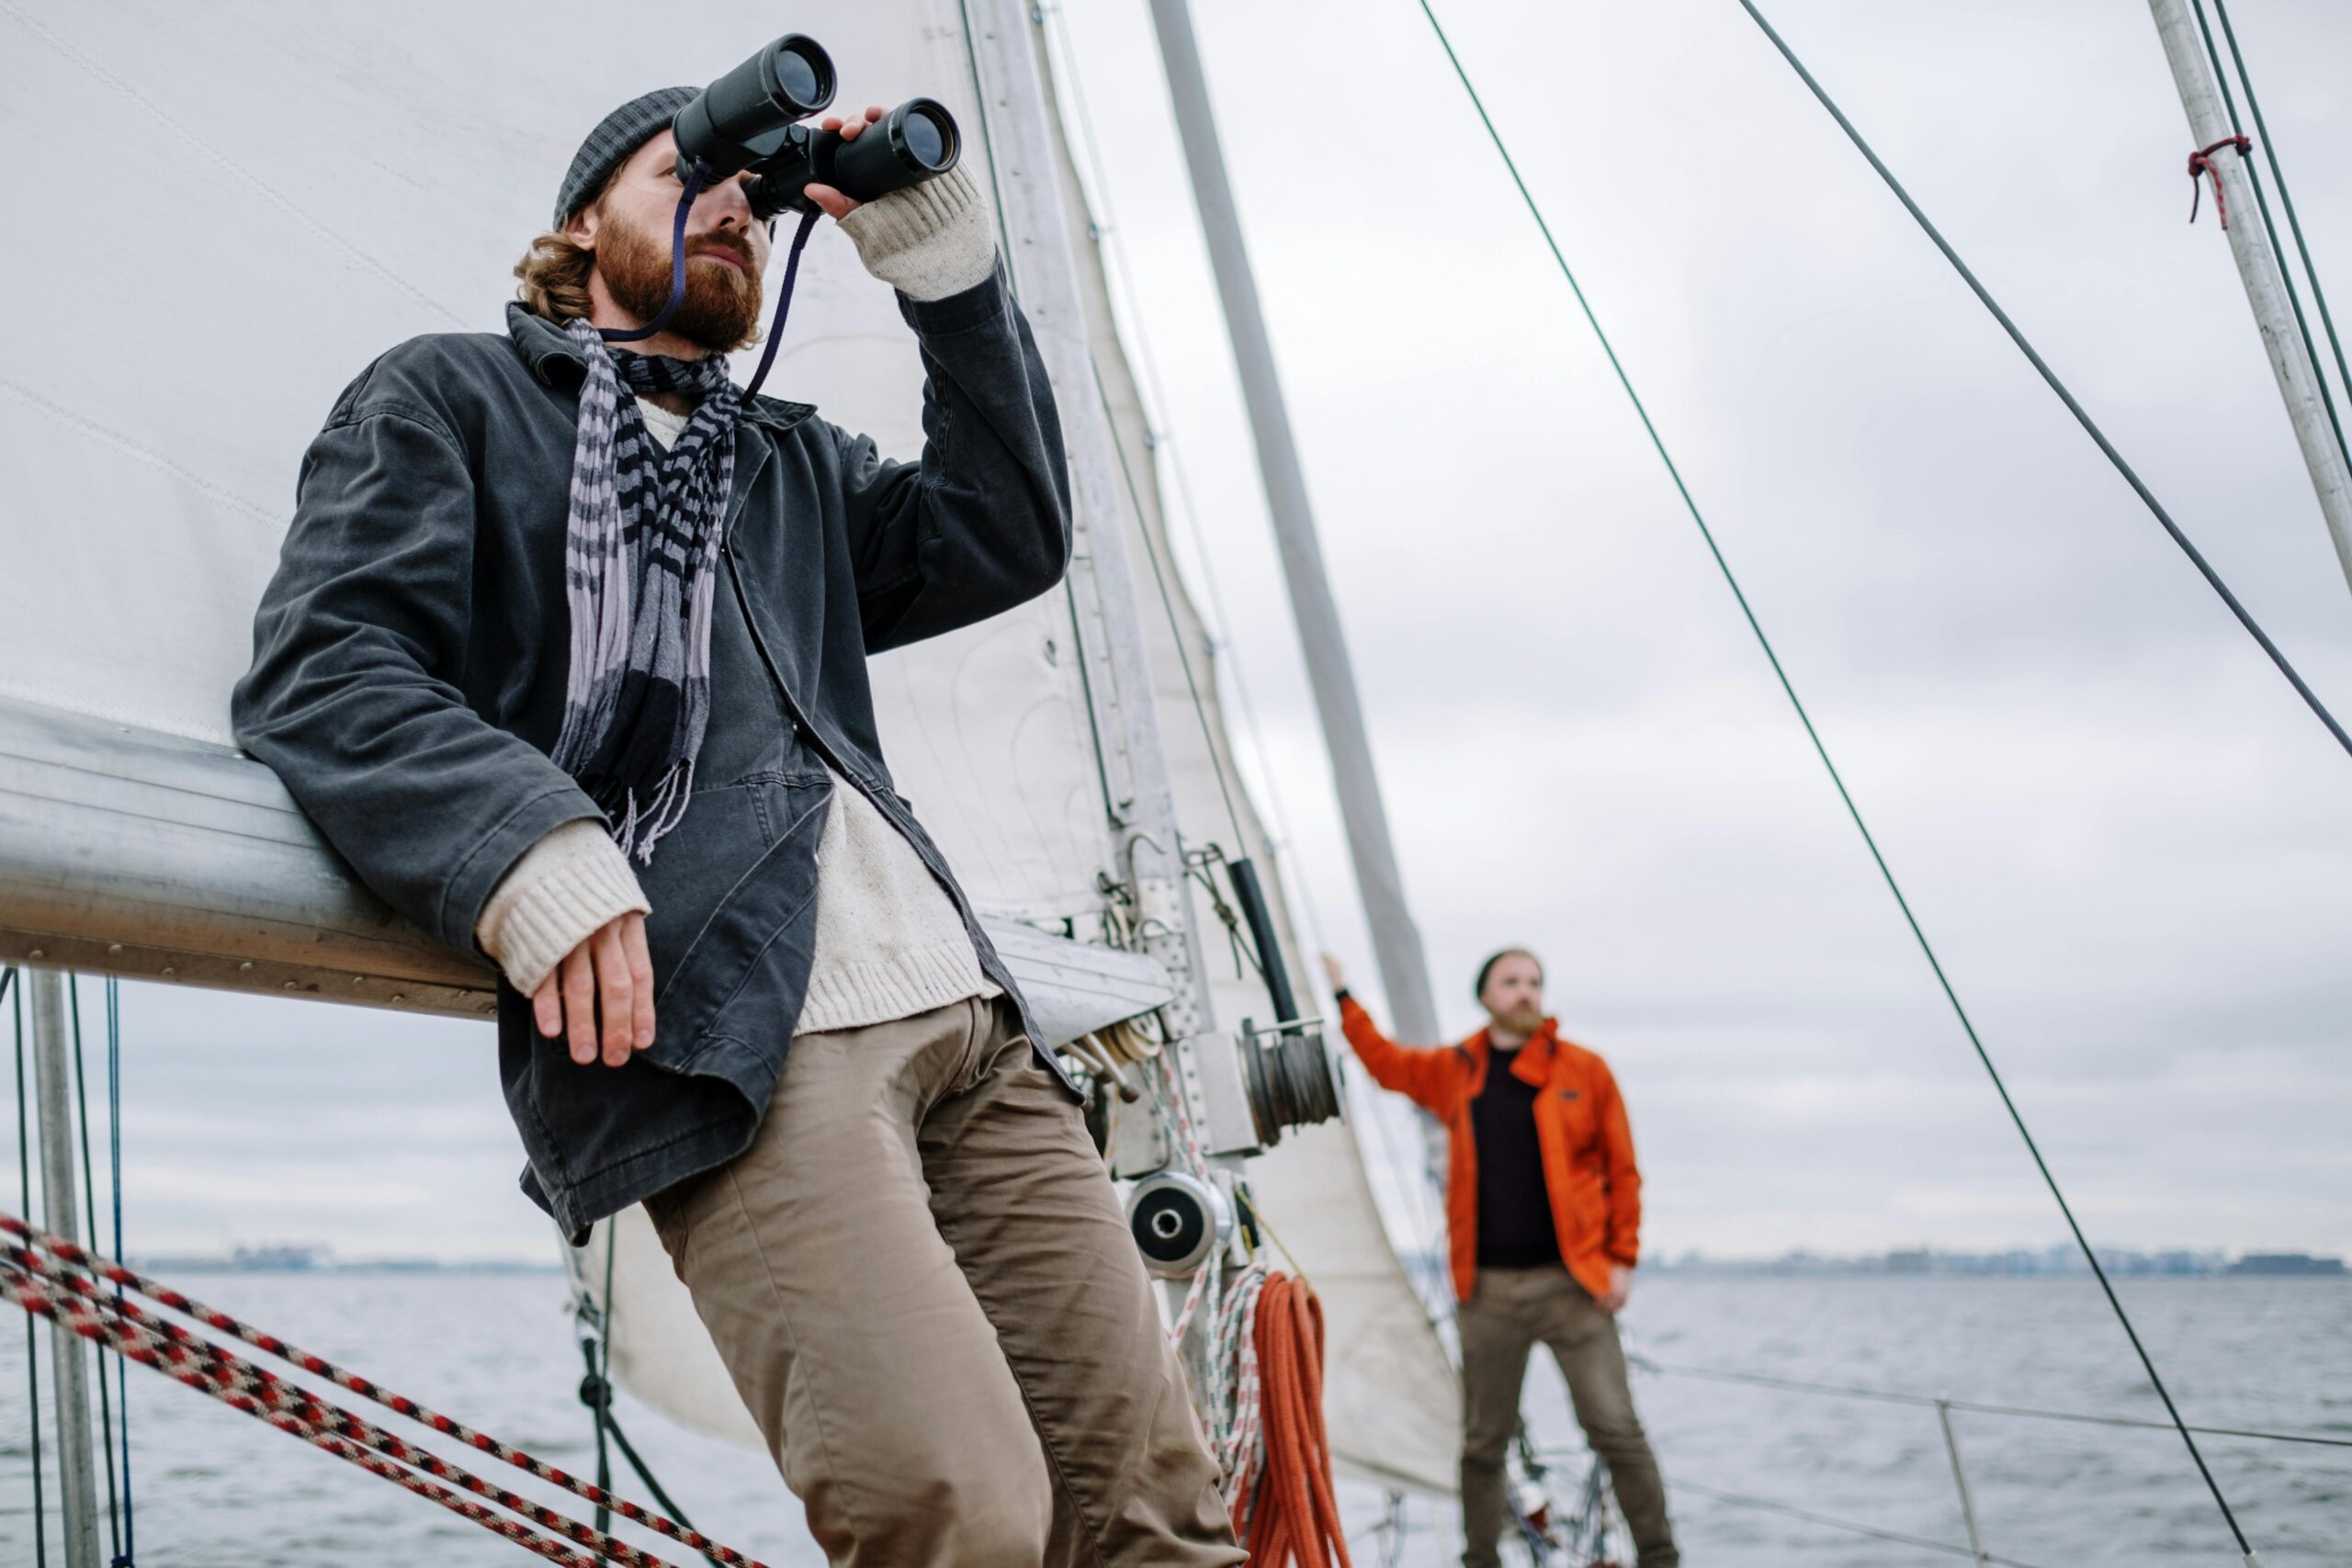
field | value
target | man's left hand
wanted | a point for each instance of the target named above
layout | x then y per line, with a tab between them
835	205
1620	1285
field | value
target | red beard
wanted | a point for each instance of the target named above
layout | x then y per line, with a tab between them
1524	1018
721	311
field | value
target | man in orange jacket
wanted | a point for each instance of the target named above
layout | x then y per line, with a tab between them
1544	1212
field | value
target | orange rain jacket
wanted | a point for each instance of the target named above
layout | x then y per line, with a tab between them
1580	1125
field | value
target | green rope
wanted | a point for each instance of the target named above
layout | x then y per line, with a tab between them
602	1369
1821	750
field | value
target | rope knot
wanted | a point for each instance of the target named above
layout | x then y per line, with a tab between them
2201	163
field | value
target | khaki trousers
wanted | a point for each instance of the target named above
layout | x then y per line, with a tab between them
921	1280
1510	1311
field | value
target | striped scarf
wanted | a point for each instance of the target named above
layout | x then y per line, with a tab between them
641	563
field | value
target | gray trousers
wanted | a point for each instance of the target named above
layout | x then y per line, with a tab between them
1511	1312
921	1280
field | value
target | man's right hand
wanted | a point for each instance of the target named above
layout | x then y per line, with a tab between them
609	973
1333	973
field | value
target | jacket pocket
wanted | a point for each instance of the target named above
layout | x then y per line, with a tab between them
739	924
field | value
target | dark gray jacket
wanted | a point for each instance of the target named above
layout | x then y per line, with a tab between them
408	683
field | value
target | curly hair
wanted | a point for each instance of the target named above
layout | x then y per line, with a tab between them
554	277
553	274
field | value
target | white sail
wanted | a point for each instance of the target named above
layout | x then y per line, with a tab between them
321	185
226	211
1391	1399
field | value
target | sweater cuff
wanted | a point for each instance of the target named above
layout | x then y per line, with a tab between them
928	241
561	891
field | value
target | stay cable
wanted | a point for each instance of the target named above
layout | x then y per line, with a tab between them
1919	934
2090	426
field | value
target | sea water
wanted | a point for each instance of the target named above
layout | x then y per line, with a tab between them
213	1487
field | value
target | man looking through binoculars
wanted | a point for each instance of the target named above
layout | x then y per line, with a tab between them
566	654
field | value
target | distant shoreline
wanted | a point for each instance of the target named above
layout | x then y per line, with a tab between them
166	1267
2050	1263
2055	1262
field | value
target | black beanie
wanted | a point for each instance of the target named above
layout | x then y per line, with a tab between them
1478	990
616	136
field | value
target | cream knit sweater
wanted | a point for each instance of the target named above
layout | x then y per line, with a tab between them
889	943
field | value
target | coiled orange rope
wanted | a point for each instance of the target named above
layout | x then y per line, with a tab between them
1296	1516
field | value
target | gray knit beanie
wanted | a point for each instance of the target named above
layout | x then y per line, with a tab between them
616	136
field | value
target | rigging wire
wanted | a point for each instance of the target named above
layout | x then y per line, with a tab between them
2286	199
594	1317
1765	1504
90	1204
1168	606
1893	1396
14	992
1821	750
114	1189
600	1367
2082	416
2262	203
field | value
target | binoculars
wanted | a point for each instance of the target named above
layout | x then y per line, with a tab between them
749	119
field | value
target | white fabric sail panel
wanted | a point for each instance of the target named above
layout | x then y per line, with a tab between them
1391	1399
206	256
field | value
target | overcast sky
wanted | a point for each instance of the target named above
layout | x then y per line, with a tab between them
2130	840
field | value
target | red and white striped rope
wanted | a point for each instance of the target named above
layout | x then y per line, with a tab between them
60	1251
1172	1090
1203	1278
74	1316
1172	1098
1239	1434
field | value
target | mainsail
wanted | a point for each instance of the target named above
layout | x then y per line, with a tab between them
241	205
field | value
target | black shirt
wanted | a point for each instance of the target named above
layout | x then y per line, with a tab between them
1515	1228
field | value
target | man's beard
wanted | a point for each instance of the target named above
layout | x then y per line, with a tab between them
1520	1020
721	311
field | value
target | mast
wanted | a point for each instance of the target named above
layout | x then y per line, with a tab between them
60	1212
1142	801
2266	288
1396	941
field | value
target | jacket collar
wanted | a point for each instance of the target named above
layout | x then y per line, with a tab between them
1533	1063
554	361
